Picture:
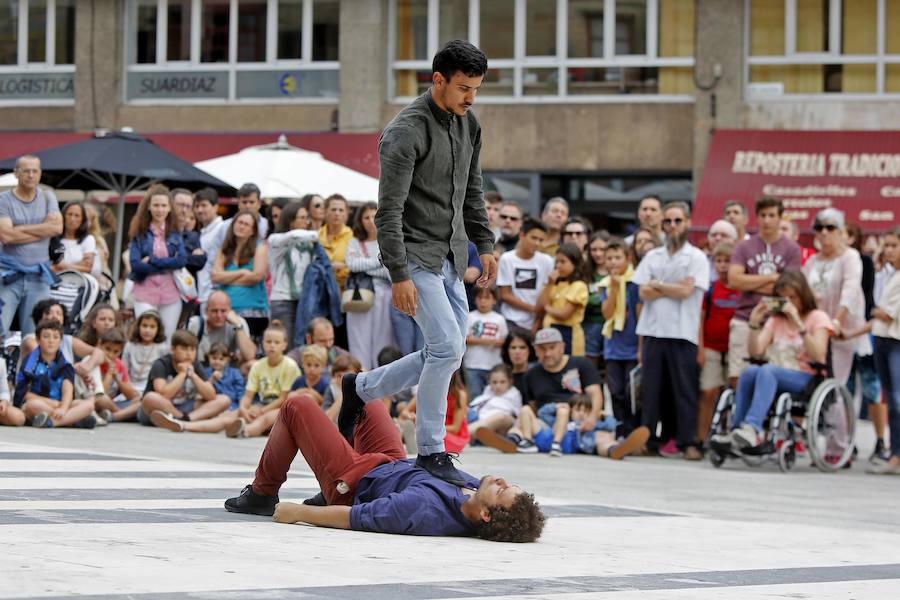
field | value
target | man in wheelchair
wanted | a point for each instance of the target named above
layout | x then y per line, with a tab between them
789	336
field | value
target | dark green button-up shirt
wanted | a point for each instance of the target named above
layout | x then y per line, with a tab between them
430	201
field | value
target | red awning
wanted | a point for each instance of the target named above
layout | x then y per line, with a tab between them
357	151
857	172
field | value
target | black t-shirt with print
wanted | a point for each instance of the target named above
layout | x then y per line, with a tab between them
543	387
164	368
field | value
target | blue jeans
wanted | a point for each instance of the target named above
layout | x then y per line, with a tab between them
441	313
887	363
407	334
478	381
757	388
21	295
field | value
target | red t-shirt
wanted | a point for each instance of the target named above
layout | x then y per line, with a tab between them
719	305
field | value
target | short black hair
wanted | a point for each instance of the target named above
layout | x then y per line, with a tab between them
247	189
48	324
388	354
459	56
207	194
42	306
769	202
531	223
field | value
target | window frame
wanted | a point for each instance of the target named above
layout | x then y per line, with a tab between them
832	57
47	66
232	67
561	62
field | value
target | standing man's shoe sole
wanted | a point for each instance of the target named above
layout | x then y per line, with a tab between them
352	407
441	466
631	444
491	438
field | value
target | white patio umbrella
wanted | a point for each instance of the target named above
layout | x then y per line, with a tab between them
284	171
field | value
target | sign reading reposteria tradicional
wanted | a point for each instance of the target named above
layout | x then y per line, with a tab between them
37	86
855	171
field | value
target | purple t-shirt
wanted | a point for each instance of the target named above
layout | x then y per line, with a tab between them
759	258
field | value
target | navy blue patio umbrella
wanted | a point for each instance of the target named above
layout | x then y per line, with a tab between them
121	162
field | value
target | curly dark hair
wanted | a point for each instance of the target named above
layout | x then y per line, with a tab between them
41	308
523	521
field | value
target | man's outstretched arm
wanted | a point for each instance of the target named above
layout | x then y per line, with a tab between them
337	516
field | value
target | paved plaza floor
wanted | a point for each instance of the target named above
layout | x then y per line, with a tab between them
128	511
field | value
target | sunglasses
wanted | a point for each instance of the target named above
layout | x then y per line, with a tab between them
671	221
819	227
510	218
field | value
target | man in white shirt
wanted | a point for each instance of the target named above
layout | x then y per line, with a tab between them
672	280
521	275
206	206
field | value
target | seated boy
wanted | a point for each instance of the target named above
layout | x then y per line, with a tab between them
344	364
121	401
176	385
9	414
227	380
314	359
45	385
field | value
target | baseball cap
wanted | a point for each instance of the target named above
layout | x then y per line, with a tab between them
548	335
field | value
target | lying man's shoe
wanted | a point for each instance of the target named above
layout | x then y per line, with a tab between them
630	445
491	438
351	407
440	464
251	503
317	500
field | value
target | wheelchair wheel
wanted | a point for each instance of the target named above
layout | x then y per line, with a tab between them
830	426
721	421
787	456
716	459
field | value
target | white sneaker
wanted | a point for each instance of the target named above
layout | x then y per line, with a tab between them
555	450
745	436
723	440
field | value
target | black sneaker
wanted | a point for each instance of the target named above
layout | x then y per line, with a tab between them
879	454
317	500
252	503
351	407
440	464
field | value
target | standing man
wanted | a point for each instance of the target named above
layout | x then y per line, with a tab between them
429	204
736	213
649	215
672	281
492	202
756	264
510	224
206	207
29	216
184	208
554	217
248	199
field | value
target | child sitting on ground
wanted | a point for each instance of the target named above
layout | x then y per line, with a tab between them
227	380
9	414
146	343
177	388
45	385
345	364
312	382
121	400
497	408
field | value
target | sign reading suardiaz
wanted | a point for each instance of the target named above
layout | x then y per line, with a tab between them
177	85
37	86
855	171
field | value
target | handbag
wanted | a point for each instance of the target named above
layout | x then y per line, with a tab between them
359	291
186	284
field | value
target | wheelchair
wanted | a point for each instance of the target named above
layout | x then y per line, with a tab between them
821	420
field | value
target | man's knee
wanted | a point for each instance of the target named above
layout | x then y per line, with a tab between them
448	351
299	403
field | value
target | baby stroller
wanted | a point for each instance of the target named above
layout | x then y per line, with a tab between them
79	292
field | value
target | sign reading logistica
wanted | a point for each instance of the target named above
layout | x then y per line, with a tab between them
857	172
177	85
20	87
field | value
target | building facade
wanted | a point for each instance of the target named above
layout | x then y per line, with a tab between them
598	101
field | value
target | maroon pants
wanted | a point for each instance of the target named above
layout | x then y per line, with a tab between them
302	425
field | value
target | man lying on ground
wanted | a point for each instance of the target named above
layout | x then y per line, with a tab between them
370	486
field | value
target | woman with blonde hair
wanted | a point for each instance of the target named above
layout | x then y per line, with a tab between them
96	226
157	251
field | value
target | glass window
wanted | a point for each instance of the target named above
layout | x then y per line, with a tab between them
326	25
412	30
497	31
892	27
540	82
766	27
290	29
37	31
178	37
411	83
812	25
9	27
676	28
251	35
145	14
631	27
892	78
214	24
540	28
65	32
860	27
497	82
585	28
453	21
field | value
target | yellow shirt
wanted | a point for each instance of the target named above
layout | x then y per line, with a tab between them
337	250
561	295
270	382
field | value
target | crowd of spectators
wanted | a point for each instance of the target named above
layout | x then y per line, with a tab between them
221	320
